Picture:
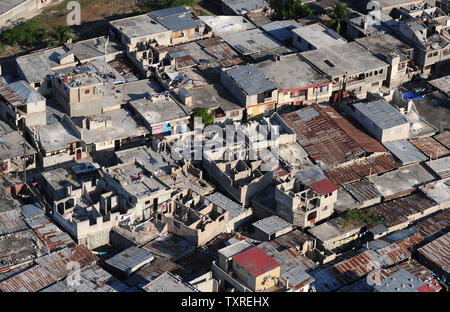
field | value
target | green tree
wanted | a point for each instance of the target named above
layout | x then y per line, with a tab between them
28	33
339	16
61	34
360	215
294	9
207	118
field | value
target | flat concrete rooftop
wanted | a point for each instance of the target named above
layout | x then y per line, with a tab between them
401	180
160	110
319	36
213	96
36	66
350	58
57	136
251	41
60	178
123	174
224	24
291	73
122	126
387	45
95	48
139	26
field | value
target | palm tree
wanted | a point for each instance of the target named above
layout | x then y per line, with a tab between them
338	15
61	35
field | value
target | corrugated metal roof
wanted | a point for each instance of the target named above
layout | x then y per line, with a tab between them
324	187
400	250
32	210
272	224
381	113
411	266
11	222
258	18
153	270
399	210
345	272
362	168
251	79
435	225
405	152
92	279
287	258
49	233
255	261
56	262
362	190
400	281
328	137
176	19
440	166
224	54
430	147
291	266
31	280
438	252
444	138
170	246
130	259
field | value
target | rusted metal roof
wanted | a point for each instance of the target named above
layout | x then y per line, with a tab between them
322	139
399	210
366	142
57	262
361	168
10	95
154	269
435	225
328	137
324	187
438	252
400	250
345	272
362	190
292	268
170	246
412	266
185	61
49	233
221	51
11	221
31	280
198	79
255	261
430	147
258	18
444	138
92	279
277	248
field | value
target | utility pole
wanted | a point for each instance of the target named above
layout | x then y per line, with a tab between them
24	163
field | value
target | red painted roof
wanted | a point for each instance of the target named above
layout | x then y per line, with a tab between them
324	187
255	261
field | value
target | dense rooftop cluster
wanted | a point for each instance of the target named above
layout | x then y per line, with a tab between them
327	157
